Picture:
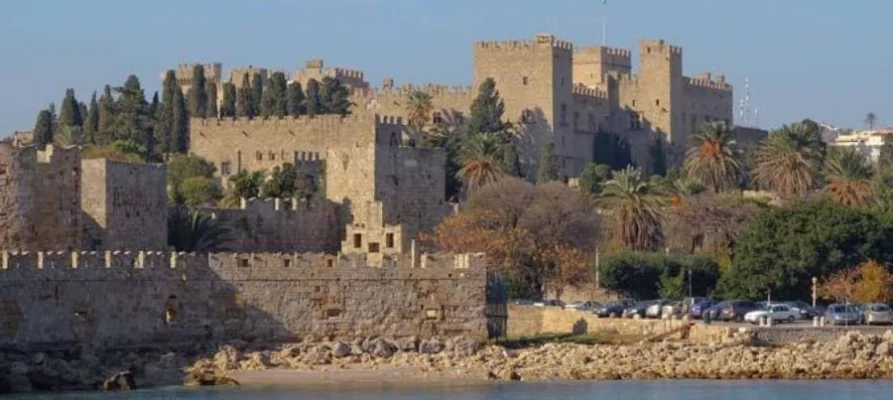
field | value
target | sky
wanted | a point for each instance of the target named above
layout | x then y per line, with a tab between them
826	60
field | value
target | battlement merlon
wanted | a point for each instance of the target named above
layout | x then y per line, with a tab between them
348	73
56	262
585	91
538	40
604	52
706	81
326	120
659	45
406	89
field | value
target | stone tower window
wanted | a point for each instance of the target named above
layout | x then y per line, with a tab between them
635	123
634	103
563	114
437	118
576	120
225	168
373	247
357	241
389	240
272	156
524	81
657	102
260	156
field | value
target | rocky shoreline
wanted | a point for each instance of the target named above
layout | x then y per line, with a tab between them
853	356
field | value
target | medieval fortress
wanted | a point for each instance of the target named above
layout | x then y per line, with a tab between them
85	243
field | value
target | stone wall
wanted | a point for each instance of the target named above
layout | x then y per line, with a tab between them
288	225
125	205
62	299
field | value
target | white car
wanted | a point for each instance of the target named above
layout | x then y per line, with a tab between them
778	313
581	305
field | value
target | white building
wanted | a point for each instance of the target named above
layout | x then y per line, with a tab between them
869	143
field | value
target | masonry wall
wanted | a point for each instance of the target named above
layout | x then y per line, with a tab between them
284	225
451	103
124	205
60	300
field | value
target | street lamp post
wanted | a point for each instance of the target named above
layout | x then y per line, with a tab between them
689	283
814	290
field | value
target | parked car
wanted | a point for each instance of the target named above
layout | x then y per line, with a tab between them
804	309
700	307
523	302
877	313
672	308
712	313
549	303
613	309
637	309
582	305
732	310
778	312
655	309
840	314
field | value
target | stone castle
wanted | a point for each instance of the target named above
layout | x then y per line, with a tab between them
553	92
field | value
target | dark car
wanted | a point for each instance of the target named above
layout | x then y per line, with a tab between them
638	309
613	309
804	309
700	307
731	310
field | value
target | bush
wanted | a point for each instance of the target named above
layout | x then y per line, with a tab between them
649	275
198	191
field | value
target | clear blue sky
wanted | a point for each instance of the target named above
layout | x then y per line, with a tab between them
828	60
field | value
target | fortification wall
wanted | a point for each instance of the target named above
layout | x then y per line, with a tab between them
706	99
451	103
124	205
268	225
60	300
592	64
313	69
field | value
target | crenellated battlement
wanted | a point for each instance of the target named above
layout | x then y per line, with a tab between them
706	81
582	90
66	264
349	73
304	121
405	89
538	40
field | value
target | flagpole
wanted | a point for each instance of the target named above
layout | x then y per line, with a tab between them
605	23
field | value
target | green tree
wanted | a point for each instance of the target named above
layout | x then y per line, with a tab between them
199	191
247	184
154	106
885	158
211	92
282	183
306	186
43	128
257	93
486	110
712	158
132	119
419	106
164	118
637	213
548	167
658	157
481	161
244	108
882	189
180	125
198	97
106	118
70	112
182	167
228	105
594	177
334	97
91	122
196	231
511	162
849	177
295	99
651	275
790	160
611	149
69	136
870	120
784	248
274	101
314	104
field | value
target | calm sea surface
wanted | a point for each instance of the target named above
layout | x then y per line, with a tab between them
660	390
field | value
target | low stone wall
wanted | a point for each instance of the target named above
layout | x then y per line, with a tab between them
787	335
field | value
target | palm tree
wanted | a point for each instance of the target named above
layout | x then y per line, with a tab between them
195	231
419	106
849	177
712	159
68	136
870	120
637	213
481	161
789	160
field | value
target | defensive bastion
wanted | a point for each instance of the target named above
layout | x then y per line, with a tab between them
51	300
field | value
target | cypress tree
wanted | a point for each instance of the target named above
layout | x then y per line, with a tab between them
43	128
658	158
268	100
211	91
154	105
228	105
486	110
106	116
82	109
548	170
132	122
91	122
198	98
243	99
279	86
70	113
180	124
257	92
511	163
295	99
314	106
334	97
164	119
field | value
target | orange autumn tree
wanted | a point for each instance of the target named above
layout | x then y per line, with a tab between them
870	282
538	235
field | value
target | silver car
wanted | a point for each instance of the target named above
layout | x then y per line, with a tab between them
877	313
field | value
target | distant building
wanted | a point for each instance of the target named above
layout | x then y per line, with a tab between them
869	143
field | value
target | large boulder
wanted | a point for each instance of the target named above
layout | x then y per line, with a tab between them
383	348
226	358
208	378
339	349
120	381
408	344
431	346
463	345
